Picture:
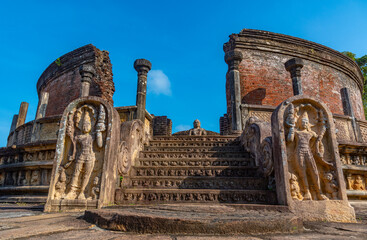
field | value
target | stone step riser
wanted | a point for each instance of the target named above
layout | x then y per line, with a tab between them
192	144
250	197
199	183
204	163
193	149
194	139
193	155
208	172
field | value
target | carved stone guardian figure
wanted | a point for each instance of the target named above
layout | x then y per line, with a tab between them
84	172
307	167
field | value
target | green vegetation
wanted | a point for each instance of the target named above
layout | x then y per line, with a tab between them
58	62
362	63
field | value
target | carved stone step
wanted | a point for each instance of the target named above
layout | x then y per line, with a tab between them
181	154
211	171
154	196
196	138
249	183
145	162
179	143
25	198
193	148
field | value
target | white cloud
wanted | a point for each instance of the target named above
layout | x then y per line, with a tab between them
158	83
182	127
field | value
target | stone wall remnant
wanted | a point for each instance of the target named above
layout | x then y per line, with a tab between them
307	167
265	81
62	79
162	126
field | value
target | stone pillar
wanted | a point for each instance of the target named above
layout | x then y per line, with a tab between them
142	66
42	105
14	123
87	73
348	110
22	114
233	59
294	66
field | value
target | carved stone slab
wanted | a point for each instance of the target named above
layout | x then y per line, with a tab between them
84	170
307	167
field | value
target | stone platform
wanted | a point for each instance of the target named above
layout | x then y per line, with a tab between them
24	221
197	219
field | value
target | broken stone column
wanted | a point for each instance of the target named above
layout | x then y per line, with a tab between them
87	73
142	66
14	123
233	59
22	114
307	167
294	66
348	110
42	105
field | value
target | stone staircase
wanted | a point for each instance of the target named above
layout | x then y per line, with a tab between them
194	169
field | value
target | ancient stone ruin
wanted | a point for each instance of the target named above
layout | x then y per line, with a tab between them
294	137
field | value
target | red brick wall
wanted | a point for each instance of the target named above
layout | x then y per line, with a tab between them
63	81
62	91
264	81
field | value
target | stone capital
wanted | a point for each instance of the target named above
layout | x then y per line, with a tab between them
233	59
87	72
294	64
142	66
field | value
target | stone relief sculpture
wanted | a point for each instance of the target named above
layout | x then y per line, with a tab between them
295	189
331	186
256	139
356	182
132	140
307	166
308	149
84	171
85	126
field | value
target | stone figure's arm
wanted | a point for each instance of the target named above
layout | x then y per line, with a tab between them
101	126
71	156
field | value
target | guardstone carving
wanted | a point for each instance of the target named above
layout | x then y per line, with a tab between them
84	168
306	160
256	139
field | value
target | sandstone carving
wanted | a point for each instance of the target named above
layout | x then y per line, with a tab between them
306	153
307	166
197	130
358	183
84	127
84	159
256	139
295	189
331	186
132	140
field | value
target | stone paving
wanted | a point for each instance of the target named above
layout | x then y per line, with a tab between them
20	221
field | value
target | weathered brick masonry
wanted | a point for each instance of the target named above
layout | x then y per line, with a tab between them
265	81
62	78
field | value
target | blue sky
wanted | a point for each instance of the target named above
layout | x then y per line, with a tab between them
182	39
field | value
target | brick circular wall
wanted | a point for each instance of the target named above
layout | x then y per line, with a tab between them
265	81
62	79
